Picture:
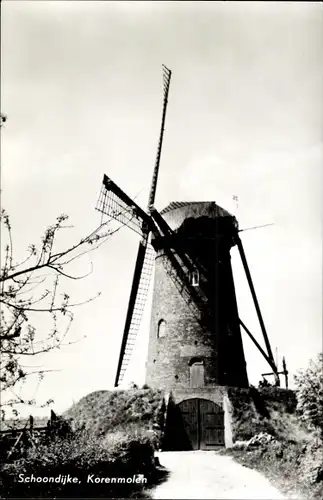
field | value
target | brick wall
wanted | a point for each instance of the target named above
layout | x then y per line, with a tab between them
213	337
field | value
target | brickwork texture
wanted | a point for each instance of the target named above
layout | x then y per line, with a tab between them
205	232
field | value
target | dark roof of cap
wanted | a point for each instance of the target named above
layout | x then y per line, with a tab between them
211	205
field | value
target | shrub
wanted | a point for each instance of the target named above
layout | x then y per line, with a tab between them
295	467
309	390
121	454
293	458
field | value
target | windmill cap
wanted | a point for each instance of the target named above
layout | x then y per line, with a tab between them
177	211
197	208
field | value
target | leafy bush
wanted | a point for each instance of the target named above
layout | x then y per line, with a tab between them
108	433
122	454
293	459
309	390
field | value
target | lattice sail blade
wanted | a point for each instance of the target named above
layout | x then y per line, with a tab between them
138	297
115	204
166	79
166	83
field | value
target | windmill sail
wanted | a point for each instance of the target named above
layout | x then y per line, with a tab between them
144	262
116	204
139	291
166	82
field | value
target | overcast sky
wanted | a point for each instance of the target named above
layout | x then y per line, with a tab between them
82	88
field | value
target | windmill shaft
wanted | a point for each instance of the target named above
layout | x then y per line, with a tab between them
160	142
254	296
256	227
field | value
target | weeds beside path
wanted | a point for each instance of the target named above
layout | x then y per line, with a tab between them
296	468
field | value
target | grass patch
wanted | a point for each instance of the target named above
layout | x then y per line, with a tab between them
295	468
107	411
270	410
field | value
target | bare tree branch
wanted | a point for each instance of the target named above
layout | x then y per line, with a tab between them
26	291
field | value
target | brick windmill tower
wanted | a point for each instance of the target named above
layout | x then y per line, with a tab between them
195	338
195	346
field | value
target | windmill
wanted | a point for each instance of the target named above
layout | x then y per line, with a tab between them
195	336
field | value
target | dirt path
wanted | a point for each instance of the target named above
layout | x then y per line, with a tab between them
207	474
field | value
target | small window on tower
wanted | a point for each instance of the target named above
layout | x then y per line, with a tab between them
196	373
195	278
161	328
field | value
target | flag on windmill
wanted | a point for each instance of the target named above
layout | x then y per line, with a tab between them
236	203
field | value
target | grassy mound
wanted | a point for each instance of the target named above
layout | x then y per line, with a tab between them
270	410
111	411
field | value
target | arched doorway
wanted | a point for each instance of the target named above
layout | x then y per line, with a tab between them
203	423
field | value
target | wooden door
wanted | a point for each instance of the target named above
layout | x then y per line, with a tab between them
190	415
203	422
211	425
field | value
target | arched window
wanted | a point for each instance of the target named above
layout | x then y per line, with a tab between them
196	372
161	331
